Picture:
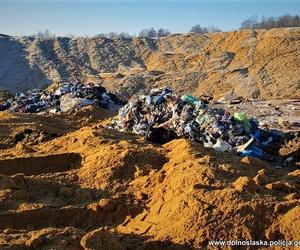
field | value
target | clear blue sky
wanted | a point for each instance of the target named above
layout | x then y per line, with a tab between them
79	17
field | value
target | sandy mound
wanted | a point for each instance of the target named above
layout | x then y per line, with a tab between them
260	63
94	188
33	129
290	224
100	239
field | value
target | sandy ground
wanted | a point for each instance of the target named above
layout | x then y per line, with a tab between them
69	183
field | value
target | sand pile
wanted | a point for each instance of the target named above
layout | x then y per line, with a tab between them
255	64
33	128
91	188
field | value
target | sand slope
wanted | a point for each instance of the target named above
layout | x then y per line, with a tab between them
260	63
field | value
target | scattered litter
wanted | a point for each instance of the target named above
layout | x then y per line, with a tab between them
62	97
231	98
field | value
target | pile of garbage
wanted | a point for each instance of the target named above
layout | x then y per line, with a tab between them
62	97
159	112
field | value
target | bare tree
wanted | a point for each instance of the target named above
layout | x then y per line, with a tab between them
250	23
199	29
163	32
113	35
150	33
44	34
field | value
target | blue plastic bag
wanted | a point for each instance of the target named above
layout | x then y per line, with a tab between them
254	152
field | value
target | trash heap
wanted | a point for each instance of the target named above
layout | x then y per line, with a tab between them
191	118
62	97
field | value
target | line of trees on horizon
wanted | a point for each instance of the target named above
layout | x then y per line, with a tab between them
149	33
271	22
202	30
252	22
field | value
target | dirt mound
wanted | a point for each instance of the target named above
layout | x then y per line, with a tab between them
100	239
33	129
198	196
93	188
256	64
290	223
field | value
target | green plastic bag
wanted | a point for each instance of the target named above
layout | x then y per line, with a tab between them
243	119
189	99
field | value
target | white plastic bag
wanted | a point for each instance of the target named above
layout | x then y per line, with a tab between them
69	102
